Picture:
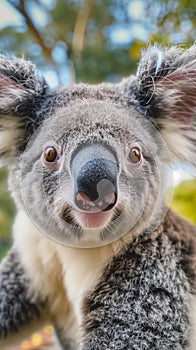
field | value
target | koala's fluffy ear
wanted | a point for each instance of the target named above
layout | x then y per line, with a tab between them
21	95
165	89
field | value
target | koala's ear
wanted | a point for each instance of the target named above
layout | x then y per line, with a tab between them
165	89
21	95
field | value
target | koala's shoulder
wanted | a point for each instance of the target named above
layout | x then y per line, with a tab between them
181	233
170	248
182	236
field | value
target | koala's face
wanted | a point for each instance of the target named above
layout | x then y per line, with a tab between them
88	163
92	172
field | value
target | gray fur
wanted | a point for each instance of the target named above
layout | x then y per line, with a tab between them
15	285
142	298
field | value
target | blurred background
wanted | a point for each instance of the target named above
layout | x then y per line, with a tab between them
92	41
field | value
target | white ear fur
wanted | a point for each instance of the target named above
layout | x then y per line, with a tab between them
10	134
21	91
10	125
167	92
180	142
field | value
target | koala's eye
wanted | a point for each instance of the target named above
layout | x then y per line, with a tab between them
51	154
134	155
52	157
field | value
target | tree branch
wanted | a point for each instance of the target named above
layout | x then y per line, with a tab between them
46	50
80	29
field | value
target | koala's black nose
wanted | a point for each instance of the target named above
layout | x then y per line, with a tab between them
96	183
95	180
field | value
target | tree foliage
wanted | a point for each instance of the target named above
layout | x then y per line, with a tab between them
184	200
93	40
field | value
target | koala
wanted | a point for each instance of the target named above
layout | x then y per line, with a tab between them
97	252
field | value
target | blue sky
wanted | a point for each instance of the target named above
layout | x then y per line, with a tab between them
8	16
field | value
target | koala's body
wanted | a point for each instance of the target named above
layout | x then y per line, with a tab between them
96	251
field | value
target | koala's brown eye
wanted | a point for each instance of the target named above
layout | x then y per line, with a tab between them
134	155
50	154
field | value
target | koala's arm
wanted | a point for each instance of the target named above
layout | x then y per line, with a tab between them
141	303
20	309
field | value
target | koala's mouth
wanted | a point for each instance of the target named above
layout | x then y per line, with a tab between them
92	220
84	220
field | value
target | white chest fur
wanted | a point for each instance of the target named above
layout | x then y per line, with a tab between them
63	273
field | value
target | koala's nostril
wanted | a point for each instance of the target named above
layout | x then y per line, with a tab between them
108	202
84	203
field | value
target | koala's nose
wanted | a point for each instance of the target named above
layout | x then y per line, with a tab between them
95	171
96	185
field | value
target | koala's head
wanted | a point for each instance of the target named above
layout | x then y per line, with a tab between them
88	162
